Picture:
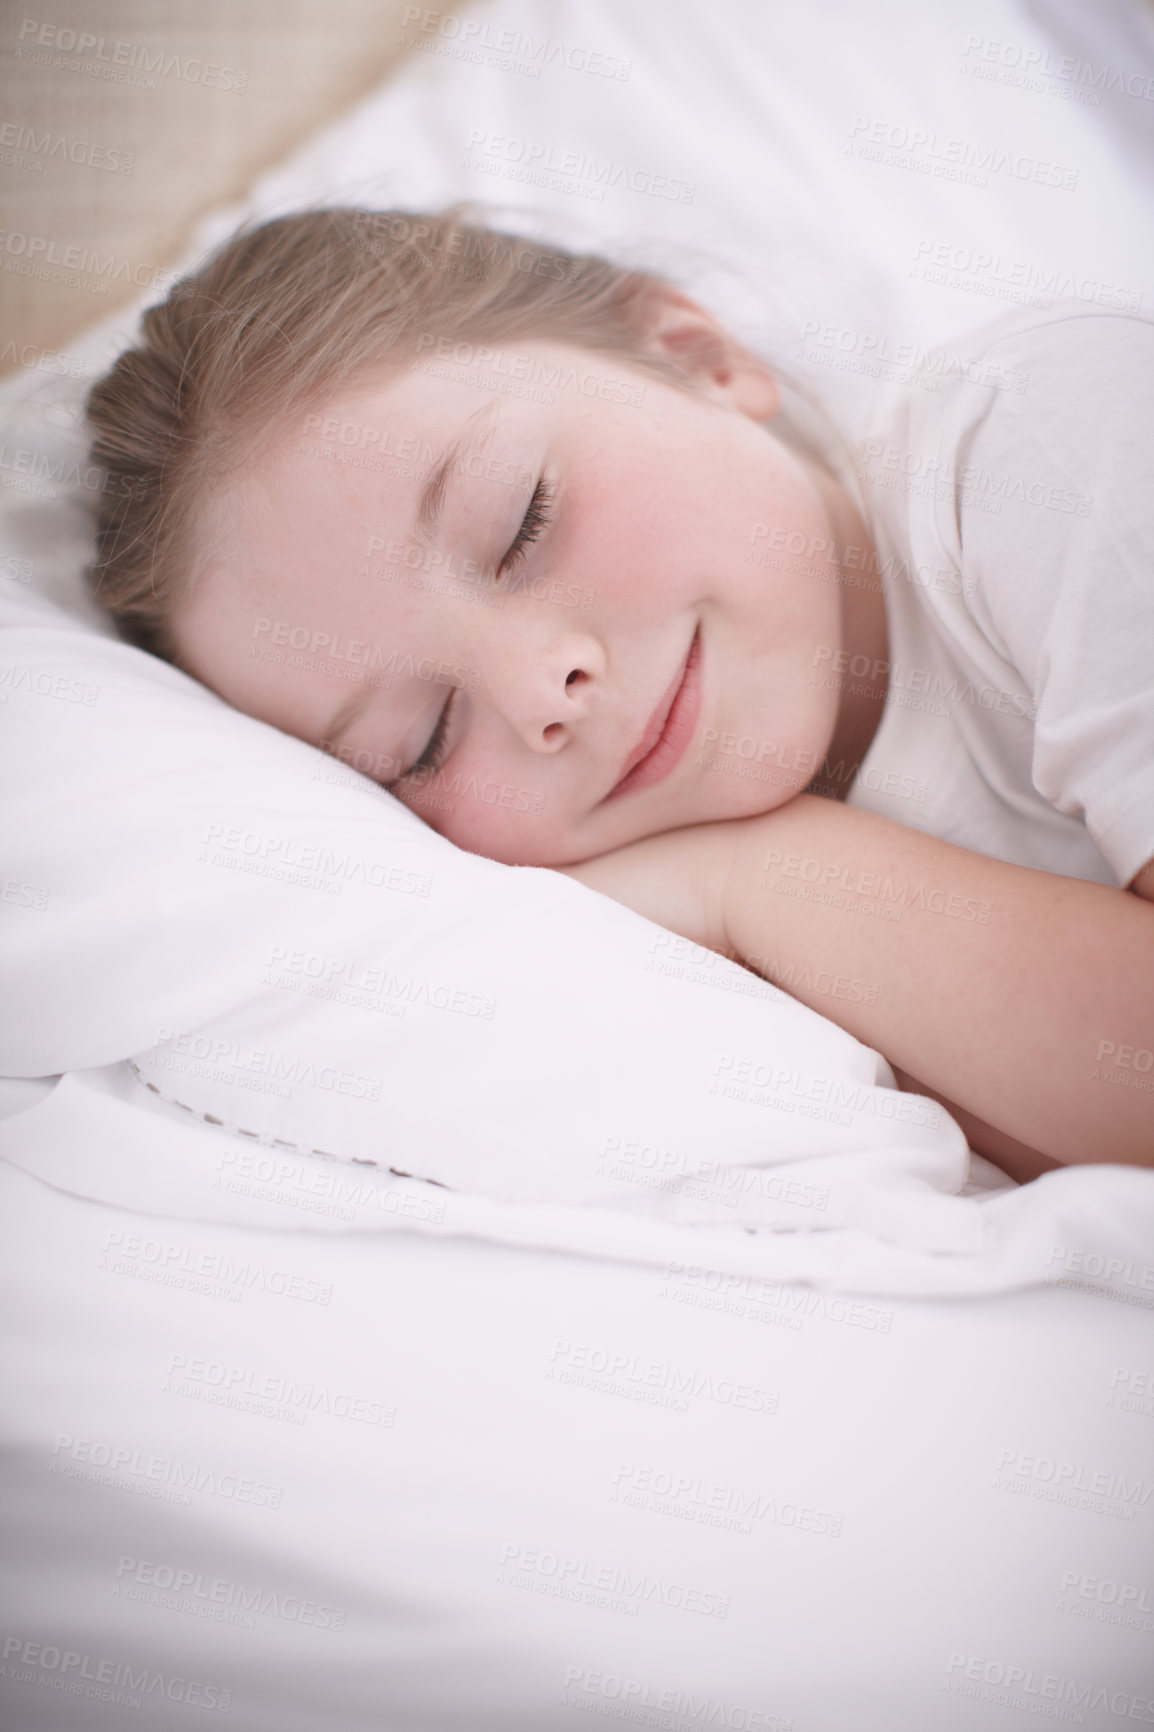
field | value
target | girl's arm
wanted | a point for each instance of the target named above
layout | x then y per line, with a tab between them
1014	1158
1024	997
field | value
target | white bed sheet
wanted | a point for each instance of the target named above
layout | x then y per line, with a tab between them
345	1475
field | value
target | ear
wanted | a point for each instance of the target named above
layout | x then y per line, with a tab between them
705	352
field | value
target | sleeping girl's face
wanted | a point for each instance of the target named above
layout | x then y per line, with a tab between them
520	594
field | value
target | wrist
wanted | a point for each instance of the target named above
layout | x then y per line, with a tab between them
744	918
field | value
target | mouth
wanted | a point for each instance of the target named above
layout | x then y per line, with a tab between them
670	729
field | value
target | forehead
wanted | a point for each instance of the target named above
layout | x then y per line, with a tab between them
357	461
373	448
350	471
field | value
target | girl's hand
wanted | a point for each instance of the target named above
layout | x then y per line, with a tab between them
678	879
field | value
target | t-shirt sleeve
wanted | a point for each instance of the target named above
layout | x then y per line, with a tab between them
1060	576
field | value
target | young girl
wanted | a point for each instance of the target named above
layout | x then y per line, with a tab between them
538	545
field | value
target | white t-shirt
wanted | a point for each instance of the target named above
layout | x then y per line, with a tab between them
1012	504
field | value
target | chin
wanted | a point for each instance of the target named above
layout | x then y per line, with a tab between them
746	796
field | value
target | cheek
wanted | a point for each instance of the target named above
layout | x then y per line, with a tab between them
639	575
486	808
477	822
635	538
785	576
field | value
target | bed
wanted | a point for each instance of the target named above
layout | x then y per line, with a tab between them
394	1340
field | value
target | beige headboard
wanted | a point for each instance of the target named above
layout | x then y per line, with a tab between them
122	121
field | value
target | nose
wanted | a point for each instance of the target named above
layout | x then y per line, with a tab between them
544	690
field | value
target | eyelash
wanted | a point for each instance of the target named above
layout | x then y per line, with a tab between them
533	525
434	752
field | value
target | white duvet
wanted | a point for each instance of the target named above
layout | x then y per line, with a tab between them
627	1372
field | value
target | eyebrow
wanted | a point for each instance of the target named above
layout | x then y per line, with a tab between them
431	504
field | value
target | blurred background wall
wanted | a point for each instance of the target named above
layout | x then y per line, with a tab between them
122	121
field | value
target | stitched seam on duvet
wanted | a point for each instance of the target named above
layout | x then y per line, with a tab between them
278	1142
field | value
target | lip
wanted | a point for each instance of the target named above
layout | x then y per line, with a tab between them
670	728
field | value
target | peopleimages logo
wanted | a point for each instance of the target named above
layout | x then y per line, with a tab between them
686	1497
363	653
230	1061
67	1669
986	56
1099	1490
180	1587
271	1396
28	254
43	683
27	148
119	62
509	50
925	151
212	1272
309	865
332	1189
544	163
653	1381
645	1703
127	1468
1012	1686
534	1568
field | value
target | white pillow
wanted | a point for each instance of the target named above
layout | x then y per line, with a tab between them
286	949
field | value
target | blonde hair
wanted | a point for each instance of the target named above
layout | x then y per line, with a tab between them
281	317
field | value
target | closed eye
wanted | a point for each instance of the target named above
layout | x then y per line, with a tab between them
431	758
538	516
534	523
